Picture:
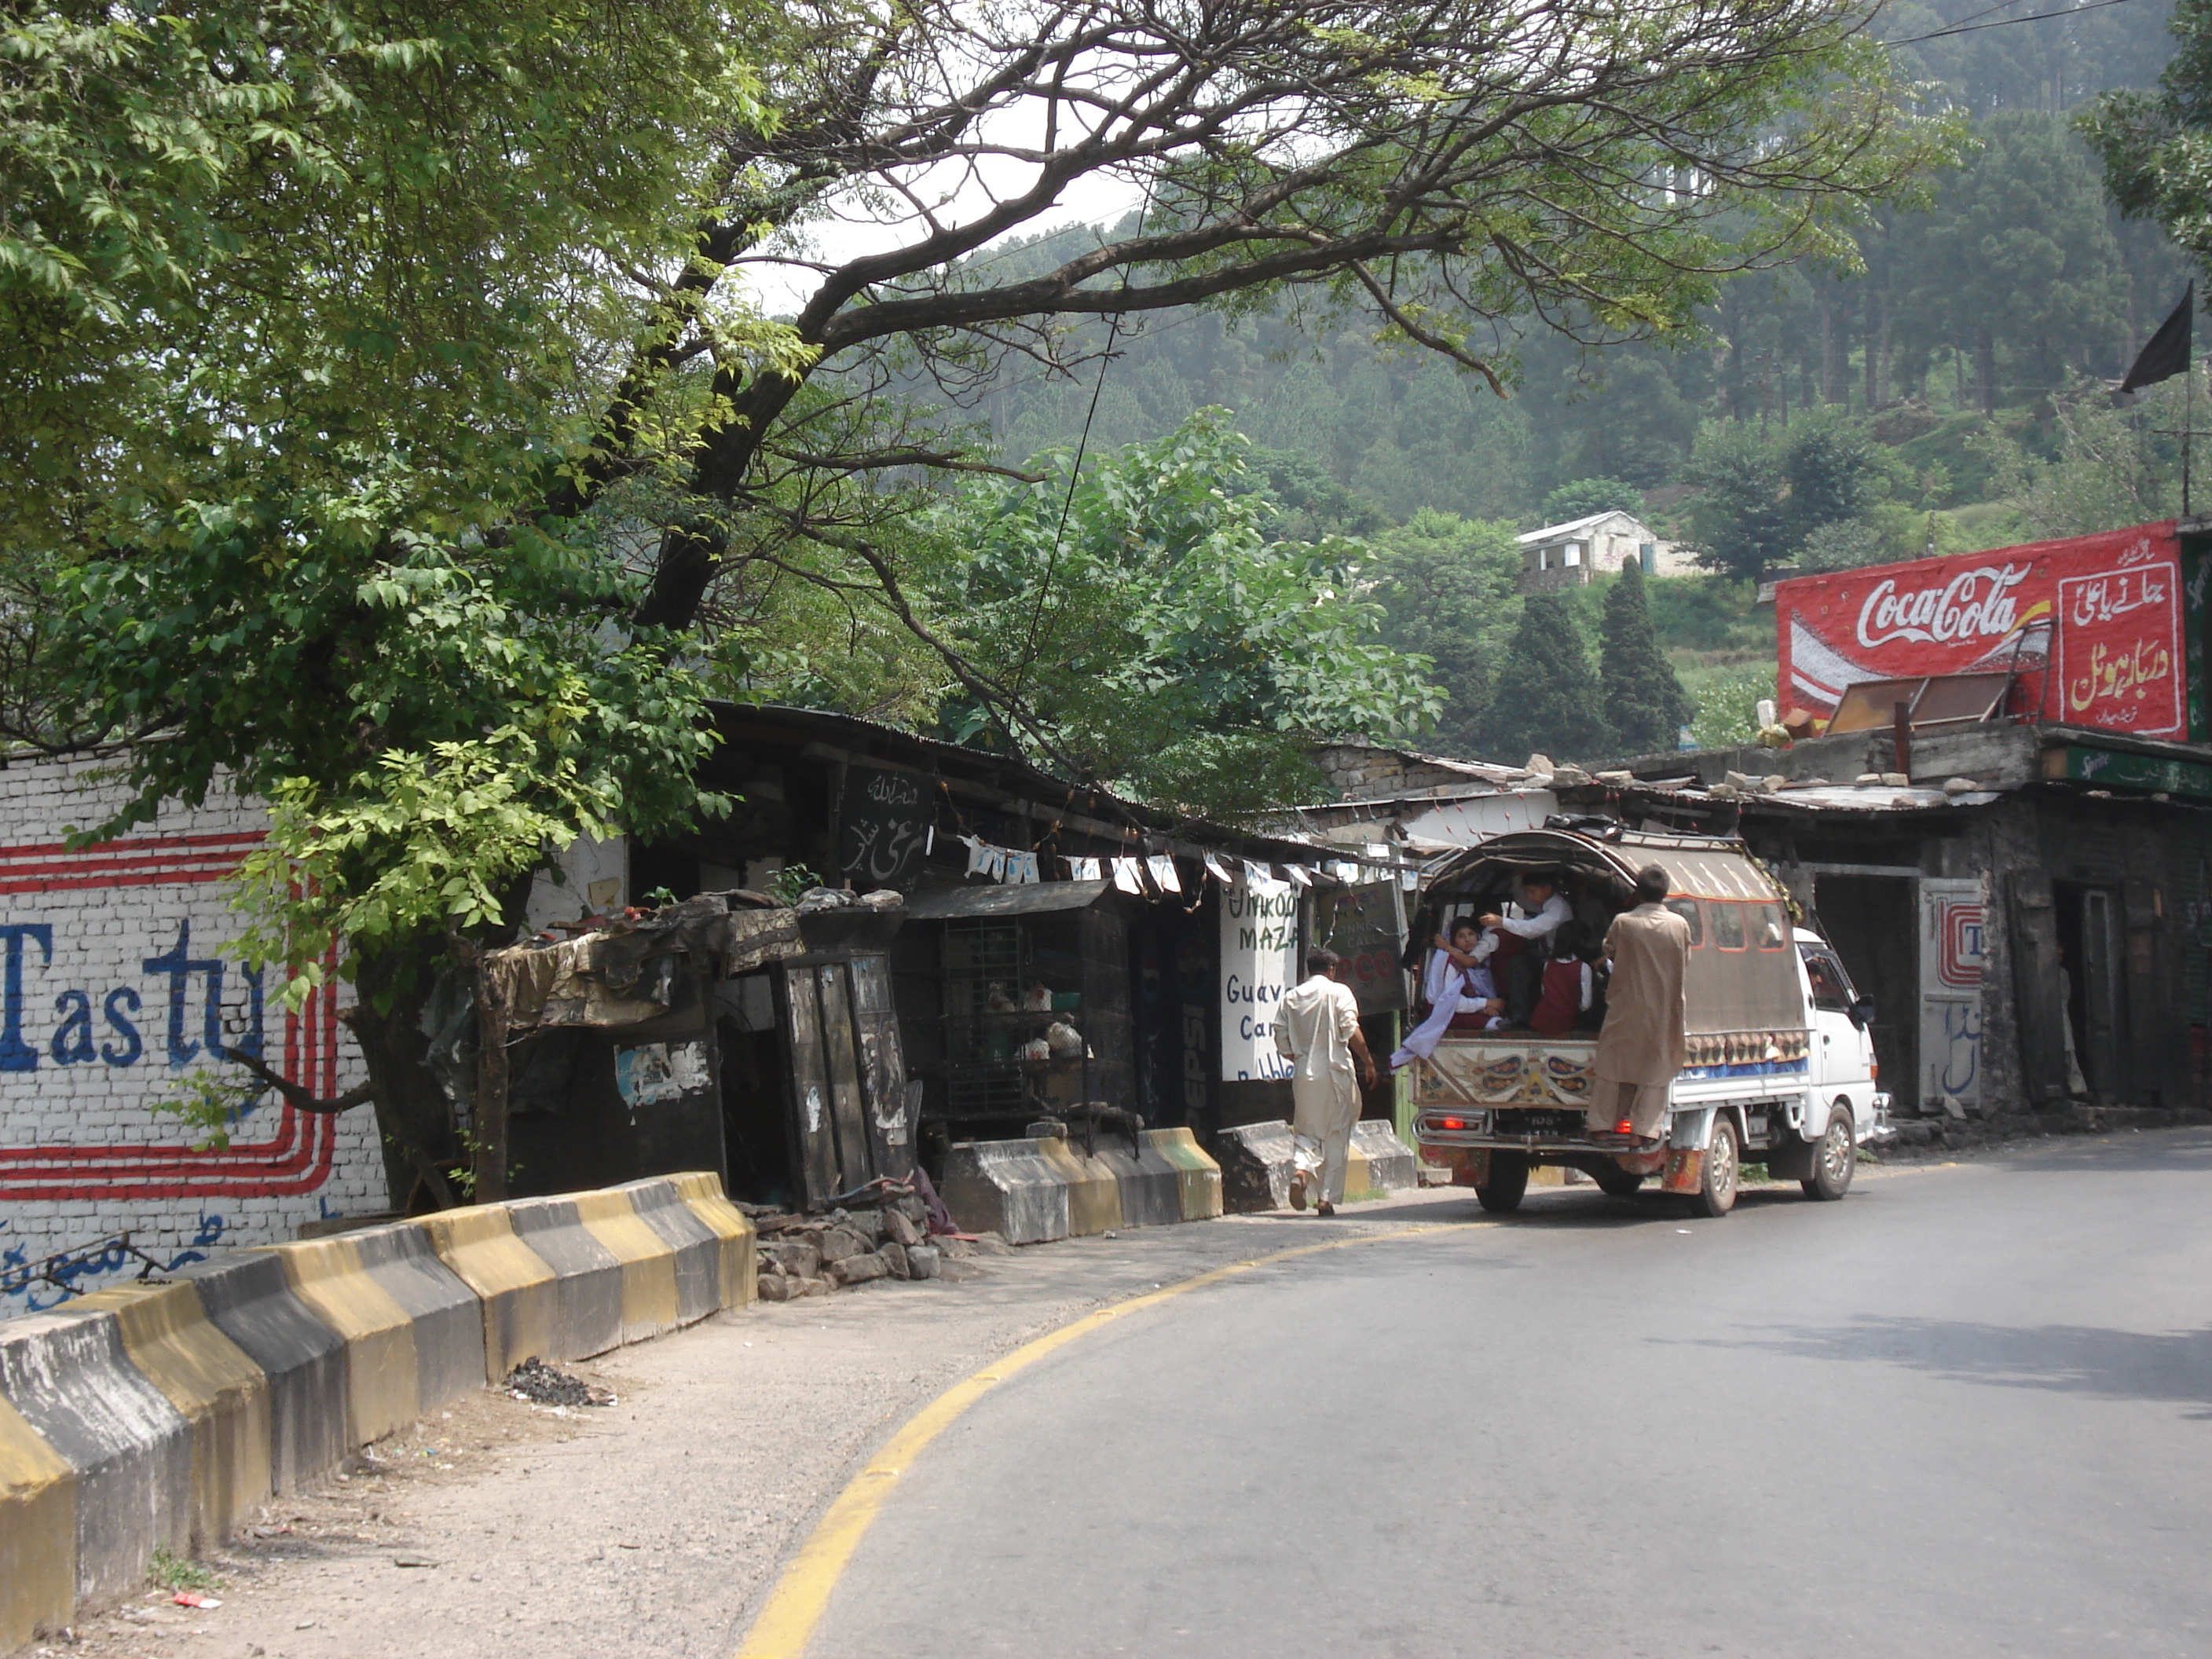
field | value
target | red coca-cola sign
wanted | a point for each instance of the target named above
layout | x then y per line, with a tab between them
2092	624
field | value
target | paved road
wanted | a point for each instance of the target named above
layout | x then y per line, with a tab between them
1967	1411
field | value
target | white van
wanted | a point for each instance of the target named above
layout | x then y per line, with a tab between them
1780	1067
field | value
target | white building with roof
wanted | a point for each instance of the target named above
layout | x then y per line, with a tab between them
1564	555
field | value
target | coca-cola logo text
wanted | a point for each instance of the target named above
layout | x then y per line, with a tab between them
1973	604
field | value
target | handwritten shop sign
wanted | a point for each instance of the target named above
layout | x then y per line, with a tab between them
2092	625
1259	963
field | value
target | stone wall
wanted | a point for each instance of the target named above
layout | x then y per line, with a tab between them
116	984
1360	772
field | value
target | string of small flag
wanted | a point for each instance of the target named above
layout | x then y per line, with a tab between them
1155	872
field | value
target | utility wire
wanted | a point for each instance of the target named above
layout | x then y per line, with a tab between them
2002	23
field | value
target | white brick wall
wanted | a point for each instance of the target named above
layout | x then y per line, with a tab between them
115	976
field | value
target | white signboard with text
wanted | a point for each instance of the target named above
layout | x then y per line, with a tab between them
1259	963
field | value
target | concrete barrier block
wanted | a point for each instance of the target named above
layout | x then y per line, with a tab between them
301	1359
215	1385
1147	1184
1198	1176
38	1532
1255	1166
448	1320
649	1301
1094	1198
1007	1187
698	1248
414	1332
383	1390
588	1276
512	1284
68	1376
1392	1165
702	1192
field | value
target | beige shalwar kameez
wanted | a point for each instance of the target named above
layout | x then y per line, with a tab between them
1640	1046
1314	1028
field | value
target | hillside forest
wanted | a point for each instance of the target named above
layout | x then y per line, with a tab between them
1950	393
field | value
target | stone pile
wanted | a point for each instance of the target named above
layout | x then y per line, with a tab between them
812	1256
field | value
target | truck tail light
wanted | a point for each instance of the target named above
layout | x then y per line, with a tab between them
1874	1069
1451	1123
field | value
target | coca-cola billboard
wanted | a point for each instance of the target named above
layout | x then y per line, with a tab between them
2092	625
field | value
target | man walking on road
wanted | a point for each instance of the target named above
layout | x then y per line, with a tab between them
1640	1046
1317	1029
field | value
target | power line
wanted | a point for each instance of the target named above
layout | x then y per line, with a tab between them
2002	23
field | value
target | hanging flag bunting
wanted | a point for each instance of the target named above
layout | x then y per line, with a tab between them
1345	872
1083	869
1164	873
1409	879
1261	880
1126	876
1300	875
1219	869
979	855
1025	869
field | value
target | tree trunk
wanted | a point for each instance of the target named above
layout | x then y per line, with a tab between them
1829	375
414	1120
489	1162
1985	369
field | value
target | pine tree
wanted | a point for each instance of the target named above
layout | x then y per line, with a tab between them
1546	699
1644	703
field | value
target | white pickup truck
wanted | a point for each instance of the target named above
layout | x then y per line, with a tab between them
1780	1067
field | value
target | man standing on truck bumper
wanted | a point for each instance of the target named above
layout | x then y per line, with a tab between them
1318	1030
1640	1047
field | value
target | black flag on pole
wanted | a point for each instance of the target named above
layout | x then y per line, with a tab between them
2166	353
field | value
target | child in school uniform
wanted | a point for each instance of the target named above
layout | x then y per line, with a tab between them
1569	983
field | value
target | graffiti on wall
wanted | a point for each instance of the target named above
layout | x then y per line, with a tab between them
33	1283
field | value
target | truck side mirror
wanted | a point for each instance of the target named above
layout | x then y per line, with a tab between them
1863	1012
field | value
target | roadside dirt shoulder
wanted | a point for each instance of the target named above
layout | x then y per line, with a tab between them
647	1527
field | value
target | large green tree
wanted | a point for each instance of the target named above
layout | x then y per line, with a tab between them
1446	585
1159	642
1546	699
305	306
1761	497
1643	702
2156	145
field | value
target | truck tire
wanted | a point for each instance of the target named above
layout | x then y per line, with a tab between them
1615	1182
1835	1156
1723	1164
1509	1181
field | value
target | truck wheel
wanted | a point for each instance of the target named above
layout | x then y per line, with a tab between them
1835	1158
1508	1180
1615	1182
1723	1163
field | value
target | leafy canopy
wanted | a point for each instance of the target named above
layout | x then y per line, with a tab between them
1164	646
304	306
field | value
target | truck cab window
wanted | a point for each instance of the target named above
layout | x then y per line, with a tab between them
1831	990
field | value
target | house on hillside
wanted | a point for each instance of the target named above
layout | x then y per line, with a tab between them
1564	555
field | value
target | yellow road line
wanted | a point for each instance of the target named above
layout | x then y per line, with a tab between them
795	1606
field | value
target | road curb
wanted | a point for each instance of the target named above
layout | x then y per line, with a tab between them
159	1415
